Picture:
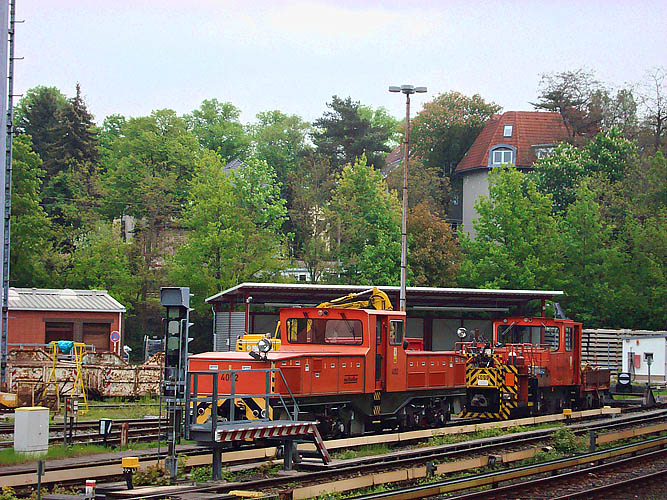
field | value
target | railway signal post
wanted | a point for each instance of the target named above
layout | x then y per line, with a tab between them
176	300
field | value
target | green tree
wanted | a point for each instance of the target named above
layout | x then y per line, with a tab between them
217	127
150	153
608	155
365	219
447	126
148	167
31	257
425	184
280	140
380	119
588	252
233	227
576	96
433	253
345	132
37	115
516	245
101	261
310	189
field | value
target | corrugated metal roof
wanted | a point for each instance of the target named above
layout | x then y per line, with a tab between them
417	297
40	299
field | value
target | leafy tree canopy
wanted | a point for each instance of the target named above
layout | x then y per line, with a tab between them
37	116
576	96
31	252
433	253
366	217
233	224
217	127
447	126
280	140
516	245
558	174
346	132
155	150
101	261
425	185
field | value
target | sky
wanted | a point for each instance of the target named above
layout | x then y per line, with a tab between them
134	56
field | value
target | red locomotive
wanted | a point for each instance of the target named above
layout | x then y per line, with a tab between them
531	365
352	369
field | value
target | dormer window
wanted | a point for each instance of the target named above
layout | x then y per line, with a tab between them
507	131
502	155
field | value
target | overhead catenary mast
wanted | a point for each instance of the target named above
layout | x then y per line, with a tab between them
7	25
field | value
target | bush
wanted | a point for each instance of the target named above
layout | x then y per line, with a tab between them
565	441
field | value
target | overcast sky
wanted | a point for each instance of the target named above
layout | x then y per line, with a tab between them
133	56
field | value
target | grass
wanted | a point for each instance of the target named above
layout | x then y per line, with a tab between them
485	434
205	473
363	451
10	457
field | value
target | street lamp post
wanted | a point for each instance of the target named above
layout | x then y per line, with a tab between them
407	90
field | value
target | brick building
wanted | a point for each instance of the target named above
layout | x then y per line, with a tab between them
38	316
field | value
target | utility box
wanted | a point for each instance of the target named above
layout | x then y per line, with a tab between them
31	430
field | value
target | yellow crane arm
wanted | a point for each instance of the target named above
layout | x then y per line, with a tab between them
376	300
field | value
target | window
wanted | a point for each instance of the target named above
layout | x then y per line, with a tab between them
568	338
501	155
396	332
552	337
507	131
324	331
536	335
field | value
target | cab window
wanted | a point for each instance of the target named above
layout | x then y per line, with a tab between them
396	332
568	338
548	336
324	331
552	337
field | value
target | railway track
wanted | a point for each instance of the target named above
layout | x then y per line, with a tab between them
542	487
390	469
86	432
87	468
587	482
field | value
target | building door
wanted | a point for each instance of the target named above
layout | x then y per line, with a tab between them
97	334
58	330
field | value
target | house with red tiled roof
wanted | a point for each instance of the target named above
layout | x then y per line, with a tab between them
518	138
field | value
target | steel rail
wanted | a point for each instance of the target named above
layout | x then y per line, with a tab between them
573	474
493	478
365	466
455	448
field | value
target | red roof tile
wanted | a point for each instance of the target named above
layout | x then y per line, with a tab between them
530	128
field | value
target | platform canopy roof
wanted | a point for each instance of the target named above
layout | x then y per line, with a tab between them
418	298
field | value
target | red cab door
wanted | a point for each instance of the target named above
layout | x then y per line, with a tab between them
380	352
396	356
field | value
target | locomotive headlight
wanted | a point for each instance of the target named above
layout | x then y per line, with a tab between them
507	396
461	332
264	345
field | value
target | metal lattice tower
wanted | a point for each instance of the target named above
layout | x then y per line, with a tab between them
7	188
